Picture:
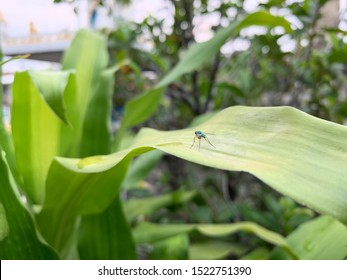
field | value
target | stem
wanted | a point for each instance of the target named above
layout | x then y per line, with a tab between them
195	92
173	88
213	78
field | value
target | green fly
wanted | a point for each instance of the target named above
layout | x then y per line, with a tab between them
198	135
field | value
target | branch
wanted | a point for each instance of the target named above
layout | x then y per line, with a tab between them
213	77
195	92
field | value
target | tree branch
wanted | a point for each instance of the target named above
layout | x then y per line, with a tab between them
213	78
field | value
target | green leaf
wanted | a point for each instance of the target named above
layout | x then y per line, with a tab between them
281	146
96	137
172	248
5	134
52	85
227	229
18	236
141	167
36	131
4	227
147	232
199	54
260	253
145	206
138	110
339	56
264	18
89	64
72	193
214	250
323	238
106	236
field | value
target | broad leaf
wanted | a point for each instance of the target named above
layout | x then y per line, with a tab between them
36	131
148	205
323	238
148	233
71	194
141	167
89	63
172	248
138	110
263	18
97	122
214	250
52	85
281	146
106	236
18	236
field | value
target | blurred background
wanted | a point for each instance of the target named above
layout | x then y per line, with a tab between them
260	67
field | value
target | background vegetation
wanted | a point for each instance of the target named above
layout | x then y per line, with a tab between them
273	188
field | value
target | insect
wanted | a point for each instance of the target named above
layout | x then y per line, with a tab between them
199	134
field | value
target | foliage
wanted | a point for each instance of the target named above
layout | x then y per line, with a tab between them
66	200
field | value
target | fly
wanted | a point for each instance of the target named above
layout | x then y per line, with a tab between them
198	135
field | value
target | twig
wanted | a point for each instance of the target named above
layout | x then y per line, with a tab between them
195	92
213	77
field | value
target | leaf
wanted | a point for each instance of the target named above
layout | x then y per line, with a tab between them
96	137
260	253
4	227
35	130
227	229
323	238
199	54
147	232
264	18
214	250
7	145
141	167
18	236
172	248
106	236
70	194
52	85
148	205
89	64
5	137
281	146
138	110
339	56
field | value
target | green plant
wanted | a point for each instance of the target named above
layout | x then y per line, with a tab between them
71	179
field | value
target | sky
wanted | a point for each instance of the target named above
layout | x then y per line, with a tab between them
47	17
50	18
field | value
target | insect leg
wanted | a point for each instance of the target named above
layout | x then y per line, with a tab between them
193	142
210	142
